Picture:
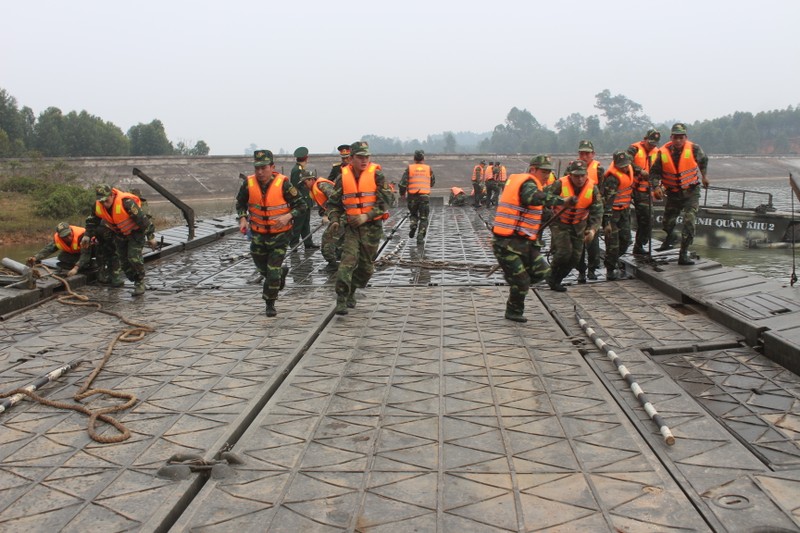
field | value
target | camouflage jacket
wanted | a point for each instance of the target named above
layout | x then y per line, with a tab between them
385	200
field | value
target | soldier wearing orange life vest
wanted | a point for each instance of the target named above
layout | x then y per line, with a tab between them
478	183
271	203
680	167
643	154
591	256
331	242
361	200
67	242
417	180
516	229
130	226
617	197
576	225
458	198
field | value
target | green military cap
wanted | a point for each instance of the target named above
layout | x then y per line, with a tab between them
63	229
622	159
360	148
419	155
679	128
307	174
542	161
344	150
653	135
301	152
585	146
102	192
577	167
483	162
262	158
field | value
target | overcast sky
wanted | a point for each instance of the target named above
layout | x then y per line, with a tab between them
323	73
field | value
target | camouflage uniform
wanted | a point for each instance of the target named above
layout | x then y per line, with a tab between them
419	205
332	237
269	249
567	239
617	220
361	243
643	201
457	200
302	225
519	257
129	247
493	186
66	260
684	202
591	256
478	185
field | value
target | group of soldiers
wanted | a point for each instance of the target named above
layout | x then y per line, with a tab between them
488	180
114	236
587	199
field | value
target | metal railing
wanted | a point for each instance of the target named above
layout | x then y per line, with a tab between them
728	198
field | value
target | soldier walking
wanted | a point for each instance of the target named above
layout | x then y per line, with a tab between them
273	204
417	181
617	196
643	154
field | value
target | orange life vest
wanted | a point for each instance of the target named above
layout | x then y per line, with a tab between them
503	174
580	211
477	173
623	198
75	246
686	175
318	194
591	172
455	191
488	172
511	217
419	179
644	160
265	208
360	196
118	219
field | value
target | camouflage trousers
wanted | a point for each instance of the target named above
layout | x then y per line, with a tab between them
567	248
332	244
268	252
492	192
477	193
129	254
358	255
620	238
301	229
457	200
590	256
523	265
644	219
419	208
682	203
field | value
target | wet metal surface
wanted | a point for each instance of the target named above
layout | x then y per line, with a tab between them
423	409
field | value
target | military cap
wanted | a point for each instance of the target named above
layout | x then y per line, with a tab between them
102	192
585	146
542	161
653	135
679	128
63	229
483	162
301	152
262	158
577	168
360	148
622	159
344	150
419	155
307	174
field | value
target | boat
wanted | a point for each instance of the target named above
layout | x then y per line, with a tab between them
738	218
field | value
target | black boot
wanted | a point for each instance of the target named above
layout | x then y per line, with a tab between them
666	244
271	308
683	256
412	232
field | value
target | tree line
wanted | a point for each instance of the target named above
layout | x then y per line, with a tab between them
55	134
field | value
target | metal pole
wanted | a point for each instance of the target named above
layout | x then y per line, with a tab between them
629	379
11	401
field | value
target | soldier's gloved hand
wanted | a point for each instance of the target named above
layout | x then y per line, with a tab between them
588	236
571	201
607	231
152	244
72	271
30	261
357	220
658	193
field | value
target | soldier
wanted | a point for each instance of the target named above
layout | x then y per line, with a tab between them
617	191
680	166
643	152
360	200
321	189
121	213
458	198
478	177
273	204
72	255
575	225
302	226
594	173
492	183
417	180
516	228
336	169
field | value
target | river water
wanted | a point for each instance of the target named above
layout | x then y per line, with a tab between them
774	263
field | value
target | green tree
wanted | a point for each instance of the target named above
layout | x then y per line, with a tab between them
48	133
449	143
13	126
621	113
150	139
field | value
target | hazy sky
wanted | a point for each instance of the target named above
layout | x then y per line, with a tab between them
323	73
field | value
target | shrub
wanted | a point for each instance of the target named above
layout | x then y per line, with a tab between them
20	184
63	201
